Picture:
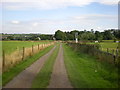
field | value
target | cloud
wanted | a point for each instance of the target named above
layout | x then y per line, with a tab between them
95	21
50	4
96	17
15	22
109	2
35	24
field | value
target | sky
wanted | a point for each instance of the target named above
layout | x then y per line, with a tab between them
48	16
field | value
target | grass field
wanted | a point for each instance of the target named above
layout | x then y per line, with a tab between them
85	71
10	46
107	44
43	77
12	72
110	46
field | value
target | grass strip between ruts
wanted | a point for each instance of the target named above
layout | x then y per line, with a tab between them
43	77
12	72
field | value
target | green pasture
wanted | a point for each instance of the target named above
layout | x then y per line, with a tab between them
10	46
107	44
111	46
85	71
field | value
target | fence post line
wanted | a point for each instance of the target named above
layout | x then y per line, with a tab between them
3	62
23	53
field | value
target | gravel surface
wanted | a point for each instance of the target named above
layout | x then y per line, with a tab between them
59	78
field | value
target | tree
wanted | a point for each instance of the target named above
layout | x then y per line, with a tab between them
10	38
87	36
73	33
116	34
59	35
108	35
98	36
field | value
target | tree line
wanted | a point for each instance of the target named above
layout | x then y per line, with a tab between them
112	34
25	37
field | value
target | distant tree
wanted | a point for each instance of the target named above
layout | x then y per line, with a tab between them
59	35
10	38
98	36
84	36
92	31
87	36
108	35
46	37
69	36
116	34
91	36
73	33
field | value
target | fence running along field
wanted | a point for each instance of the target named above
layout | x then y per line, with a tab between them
9	60
95	51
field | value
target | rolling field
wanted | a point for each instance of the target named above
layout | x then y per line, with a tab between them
10	46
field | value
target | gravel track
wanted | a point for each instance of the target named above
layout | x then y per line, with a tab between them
25	78
59	78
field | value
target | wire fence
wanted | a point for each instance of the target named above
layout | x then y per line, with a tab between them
94	50
9	60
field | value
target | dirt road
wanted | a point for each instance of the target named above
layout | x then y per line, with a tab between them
25	78
59	78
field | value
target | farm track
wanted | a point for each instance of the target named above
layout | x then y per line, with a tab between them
59	78
25	78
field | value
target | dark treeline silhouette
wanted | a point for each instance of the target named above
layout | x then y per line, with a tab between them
112	34
24	37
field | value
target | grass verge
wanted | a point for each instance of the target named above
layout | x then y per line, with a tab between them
85	71
12	72
43	77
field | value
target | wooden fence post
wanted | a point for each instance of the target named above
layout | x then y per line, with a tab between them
3	62
32	48
116	52
107	50
23	53
113	51
114	57
38	46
